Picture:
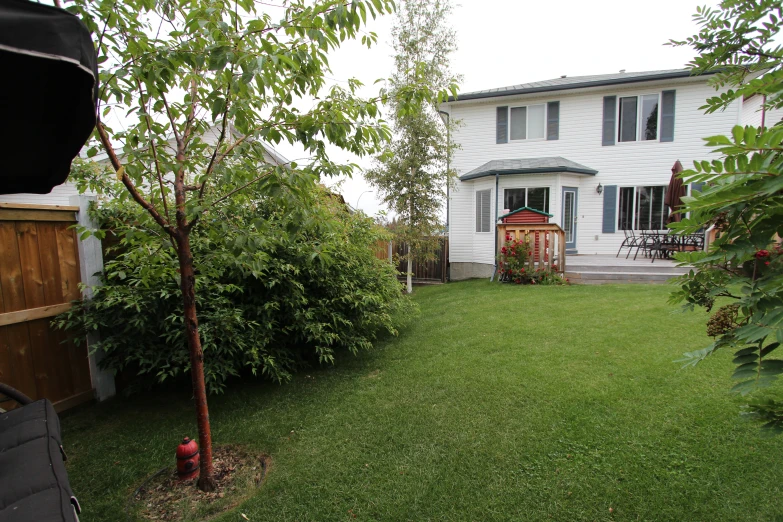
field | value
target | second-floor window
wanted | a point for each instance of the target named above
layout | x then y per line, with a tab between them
527	123
537	121
638	118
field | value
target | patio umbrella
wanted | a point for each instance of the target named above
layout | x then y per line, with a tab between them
47	97
675	193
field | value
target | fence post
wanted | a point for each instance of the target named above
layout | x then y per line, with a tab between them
391	252
90	263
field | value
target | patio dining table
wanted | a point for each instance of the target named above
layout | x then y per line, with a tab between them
662	244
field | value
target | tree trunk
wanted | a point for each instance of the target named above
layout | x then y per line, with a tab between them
206	480
410	270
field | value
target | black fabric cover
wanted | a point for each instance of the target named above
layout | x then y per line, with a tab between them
47	96
33	482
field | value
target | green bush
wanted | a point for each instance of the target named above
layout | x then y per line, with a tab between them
279	284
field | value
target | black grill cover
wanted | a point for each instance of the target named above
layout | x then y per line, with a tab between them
48	94
33	481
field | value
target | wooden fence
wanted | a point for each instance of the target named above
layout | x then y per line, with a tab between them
39	277
546	240
431	271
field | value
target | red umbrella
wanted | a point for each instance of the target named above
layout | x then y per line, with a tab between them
674	193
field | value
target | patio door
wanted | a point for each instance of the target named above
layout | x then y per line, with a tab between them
568	220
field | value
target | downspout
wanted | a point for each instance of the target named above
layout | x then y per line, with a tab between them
448	182
495	230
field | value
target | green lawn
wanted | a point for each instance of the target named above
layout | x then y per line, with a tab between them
499	403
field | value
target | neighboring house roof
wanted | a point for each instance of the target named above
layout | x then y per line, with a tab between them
576	82
527	166
525	208
278	158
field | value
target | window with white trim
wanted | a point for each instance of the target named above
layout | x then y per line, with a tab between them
638	118
642	208
527	123
483	210
536	198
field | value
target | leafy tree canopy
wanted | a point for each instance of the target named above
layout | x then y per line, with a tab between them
742	201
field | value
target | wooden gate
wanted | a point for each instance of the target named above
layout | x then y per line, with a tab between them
39	277
430	271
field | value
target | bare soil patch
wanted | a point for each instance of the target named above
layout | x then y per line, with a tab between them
164	497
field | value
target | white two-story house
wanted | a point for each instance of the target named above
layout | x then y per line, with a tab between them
596	152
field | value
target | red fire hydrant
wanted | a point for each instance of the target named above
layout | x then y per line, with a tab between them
187	459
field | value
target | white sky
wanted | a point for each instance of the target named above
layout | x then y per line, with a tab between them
506	42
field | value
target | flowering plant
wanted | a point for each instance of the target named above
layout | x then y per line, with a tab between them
512	261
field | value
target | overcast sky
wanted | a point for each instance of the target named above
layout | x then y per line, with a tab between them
506	42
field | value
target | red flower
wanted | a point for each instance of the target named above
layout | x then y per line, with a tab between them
503	250
766	262
762	253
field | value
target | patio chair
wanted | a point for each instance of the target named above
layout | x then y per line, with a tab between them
630	241
646	242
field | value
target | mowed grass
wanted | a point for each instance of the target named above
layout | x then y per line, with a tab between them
499	402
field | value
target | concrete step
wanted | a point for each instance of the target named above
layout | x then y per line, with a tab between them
604	277
641	267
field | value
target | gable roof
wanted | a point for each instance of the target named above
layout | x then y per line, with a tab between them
528	166
576	82
528	209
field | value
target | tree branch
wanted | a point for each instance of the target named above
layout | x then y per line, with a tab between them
171	119
228	195
219	142
192	115
115	162
154	149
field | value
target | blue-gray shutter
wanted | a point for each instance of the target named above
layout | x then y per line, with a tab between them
610	209
610	115
553	120
501	128
667	116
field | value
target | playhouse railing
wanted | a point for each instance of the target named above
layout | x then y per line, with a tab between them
546	240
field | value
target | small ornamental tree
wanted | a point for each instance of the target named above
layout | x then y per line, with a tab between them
178	69
742	201
411	174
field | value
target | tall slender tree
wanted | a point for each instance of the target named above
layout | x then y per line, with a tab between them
178	69
411	174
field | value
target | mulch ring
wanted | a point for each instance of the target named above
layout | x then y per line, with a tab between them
237	473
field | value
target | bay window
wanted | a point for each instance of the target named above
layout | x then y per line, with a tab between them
536	198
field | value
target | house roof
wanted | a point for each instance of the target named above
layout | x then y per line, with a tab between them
576	82
525	208
527	166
